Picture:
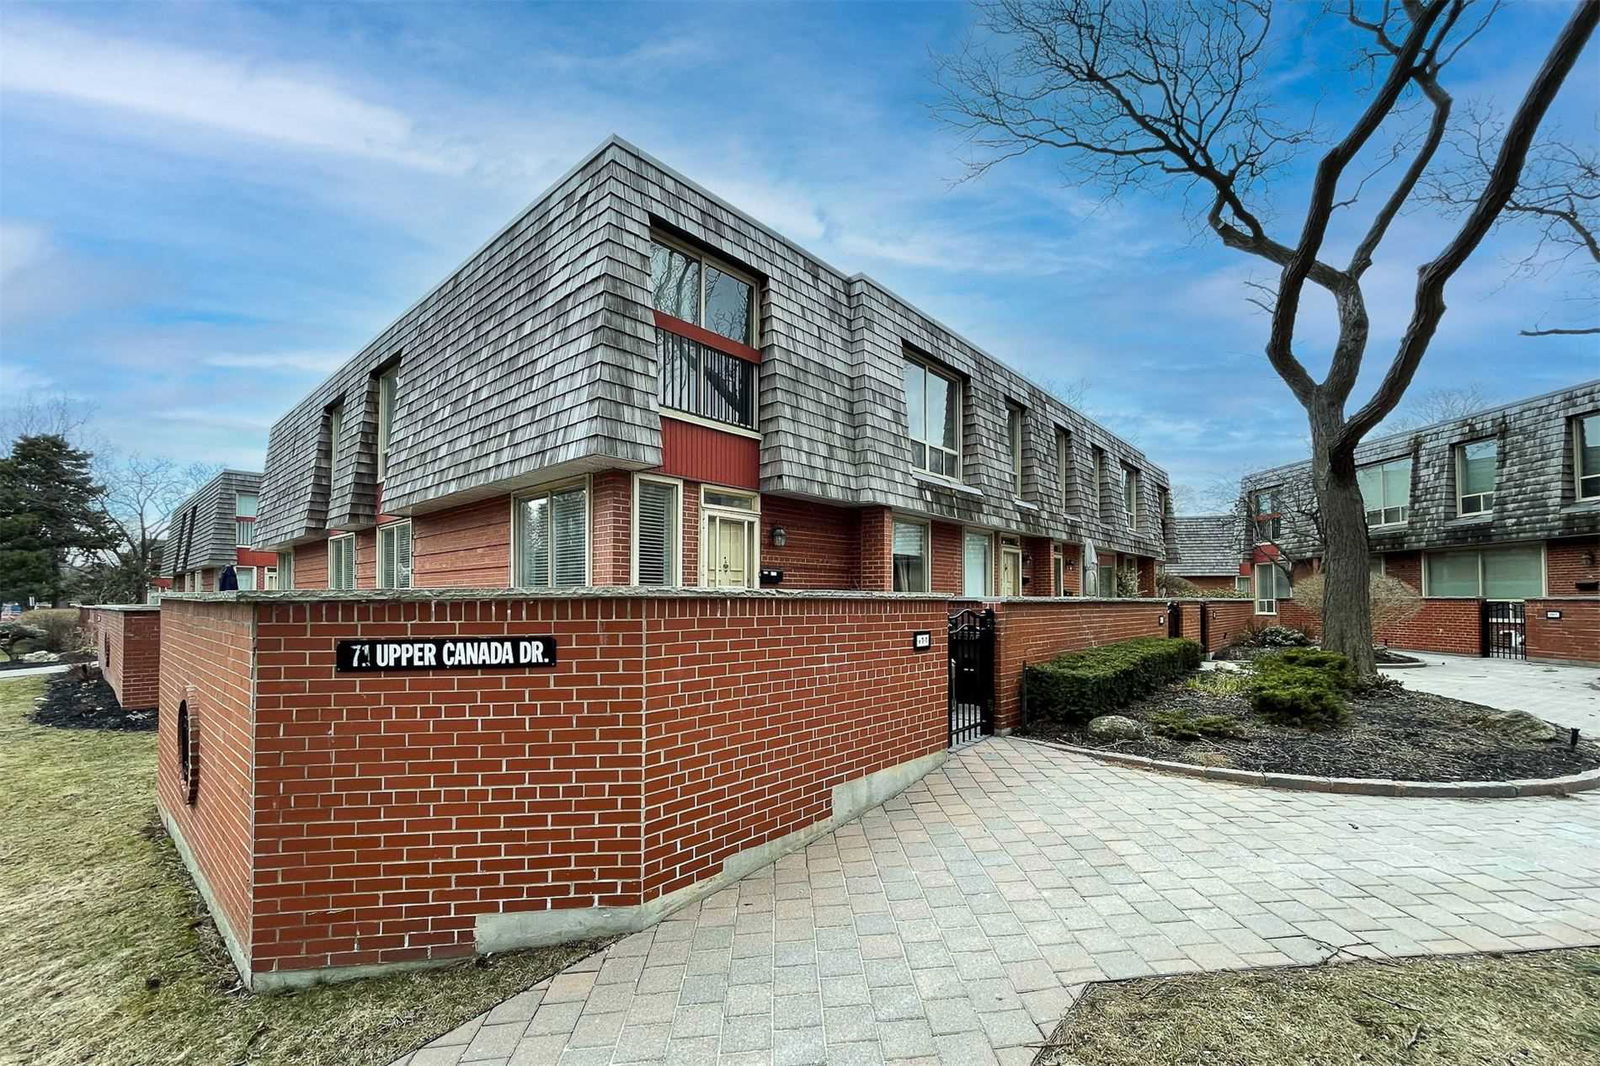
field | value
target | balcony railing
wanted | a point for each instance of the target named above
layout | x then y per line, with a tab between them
702	381
245	532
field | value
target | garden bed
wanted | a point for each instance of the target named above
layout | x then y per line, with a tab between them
70	702
1393	734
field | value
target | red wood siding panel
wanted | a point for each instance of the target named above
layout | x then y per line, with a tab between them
698	453
707	338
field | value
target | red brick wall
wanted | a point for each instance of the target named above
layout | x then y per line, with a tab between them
1449	625
1404	566
758	708
877	549
1574	637
946	558
129	646
206	661
822	543
611	529
463	547
1227	621
1567	562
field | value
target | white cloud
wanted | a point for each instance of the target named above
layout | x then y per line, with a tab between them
254	100
288	362
223	416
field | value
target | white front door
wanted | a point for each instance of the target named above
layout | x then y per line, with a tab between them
1010	571
730	550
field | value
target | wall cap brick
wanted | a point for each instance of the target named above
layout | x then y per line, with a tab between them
126	607
617	592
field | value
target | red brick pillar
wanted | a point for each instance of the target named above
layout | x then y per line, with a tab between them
1147	577
610	544
1039	566
877	549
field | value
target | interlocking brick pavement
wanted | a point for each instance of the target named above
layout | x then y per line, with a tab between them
958	922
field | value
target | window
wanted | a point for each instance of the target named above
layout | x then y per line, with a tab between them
701	381
699	290
1130	497
1586	455
342	561
286	570
1495	574
977	564
1058	563
269	578
1272	585
394	556
933	405
551	538
244	522
246	576
657	541
1064	469
1386	488
388	394
1099	482
1241	583
1375	566
1106	579
1014	445
730	552
910	556
1475	476
1266	514
335	431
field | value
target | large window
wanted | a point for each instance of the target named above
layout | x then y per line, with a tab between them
394	555
1272	585
977	564
1586	455
388	395
933	417
1064	469
1386	490
1130	497
342	561
1266	514
286	569
244	521
701	381
1495	574
1014	445
699	290
1475	477
657	539
910	556
551	538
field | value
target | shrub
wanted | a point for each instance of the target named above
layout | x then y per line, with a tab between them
60	625
1073	688
1186	725
1299	694
1337	667
1393	601
1275	637
14	633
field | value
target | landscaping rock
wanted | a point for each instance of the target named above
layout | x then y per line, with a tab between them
1518	725
1115	727
41	658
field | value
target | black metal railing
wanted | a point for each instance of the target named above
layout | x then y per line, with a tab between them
971	687
702	381
1505	628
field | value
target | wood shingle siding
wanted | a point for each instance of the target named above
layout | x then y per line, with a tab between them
202	533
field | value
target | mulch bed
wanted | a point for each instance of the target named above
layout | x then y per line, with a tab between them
72	703
1398	735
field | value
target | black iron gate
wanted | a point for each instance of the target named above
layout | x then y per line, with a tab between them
971	685
1505	624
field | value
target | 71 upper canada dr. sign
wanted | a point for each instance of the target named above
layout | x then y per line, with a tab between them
445	653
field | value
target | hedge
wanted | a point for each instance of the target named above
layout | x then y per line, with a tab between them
1073	688
1302	687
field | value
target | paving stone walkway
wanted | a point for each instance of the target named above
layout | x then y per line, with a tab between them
958	922
1565	695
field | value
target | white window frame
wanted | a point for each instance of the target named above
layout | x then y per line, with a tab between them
1058	568
1273	525
955	384
927	550
1384	504
393	530
1064	467
286	569
253	572
269	579
1269	604
388	384
1427	572
349	538
1483	508
751	516
1579	475
335	431
989	577
723	266
588	531
676	578
1132	491
1015	416
1099	459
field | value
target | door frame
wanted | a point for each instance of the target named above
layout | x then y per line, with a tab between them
751	518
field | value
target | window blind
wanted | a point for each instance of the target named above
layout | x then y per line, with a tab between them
657	533
569	539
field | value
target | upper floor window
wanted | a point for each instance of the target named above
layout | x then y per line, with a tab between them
701	291
1064	469
388	394
244	521
1386	490
1475	476
394	555
1014	445
551	538
1099	482
335	432
1586	456
342	561
1130	497
933	405
1266	514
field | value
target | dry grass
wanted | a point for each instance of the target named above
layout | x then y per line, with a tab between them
109	959
1519	1010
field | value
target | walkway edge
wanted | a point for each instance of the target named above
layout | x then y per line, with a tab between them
1348	786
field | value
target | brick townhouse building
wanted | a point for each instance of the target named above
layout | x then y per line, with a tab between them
216	527
1499	506
636	384
1205	551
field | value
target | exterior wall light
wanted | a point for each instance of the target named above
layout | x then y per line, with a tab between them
780	537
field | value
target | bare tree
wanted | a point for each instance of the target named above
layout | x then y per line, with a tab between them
140	496
1436	405
36	415
1557	198
1170	94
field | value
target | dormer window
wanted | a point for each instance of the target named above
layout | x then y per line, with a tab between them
1475	476
705	328
703	292
1386	488
933	419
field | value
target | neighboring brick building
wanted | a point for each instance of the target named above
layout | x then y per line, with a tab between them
1502	505
216	527
1205	551
636	384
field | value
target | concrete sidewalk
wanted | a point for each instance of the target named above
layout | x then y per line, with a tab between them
1563	695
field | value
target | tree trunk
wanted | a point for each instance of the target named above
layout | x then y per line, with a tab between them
1347	599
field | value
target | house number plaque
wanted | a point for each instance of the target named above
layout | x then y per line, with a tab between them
446	653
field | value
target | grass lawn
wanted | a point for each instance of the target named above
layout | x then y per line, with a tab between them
1538	1009
109	958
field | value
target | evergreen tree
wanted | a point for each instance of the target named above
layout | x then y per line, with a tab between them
48	512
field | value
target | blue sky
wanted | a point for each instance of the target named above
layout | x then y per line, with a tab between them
205	207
